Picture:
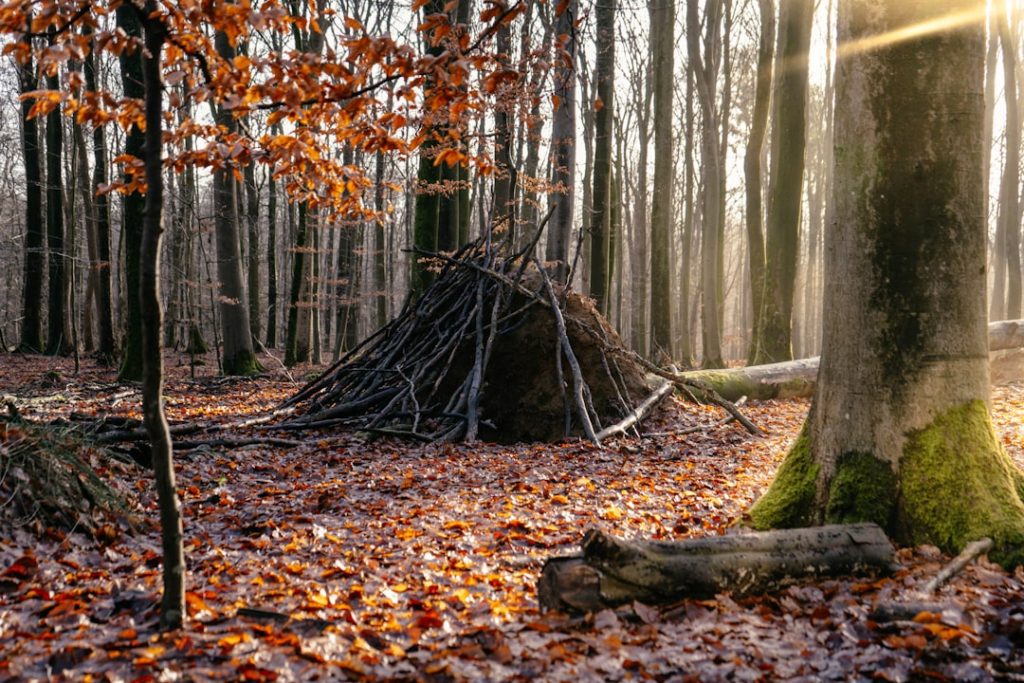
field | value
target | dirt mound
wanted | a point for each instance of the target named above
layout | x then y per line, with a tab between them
522	395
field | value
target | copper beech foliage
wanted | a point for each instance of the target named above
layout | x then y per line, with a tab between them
323	99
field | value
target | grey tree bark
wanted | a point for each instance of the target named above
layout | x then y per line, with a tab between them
752	170
899	430
782	243
238	355
706	78
563	141
662	26
600	266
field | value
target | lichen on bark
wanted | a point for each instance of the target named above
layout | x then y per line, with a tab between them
959	485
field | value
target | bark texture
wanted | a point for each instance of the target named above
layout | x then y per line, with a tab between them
613	572
172	608
899	432
662	16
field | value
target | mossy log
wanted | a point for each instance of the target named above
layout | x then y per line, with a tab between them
797	378
612	572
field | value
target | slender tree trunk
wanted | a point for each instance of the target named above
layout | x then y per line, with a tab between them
503	212
600	249
563	141
172	611
133	206
380	283
788	139
58	338
706	69
1009	200
271	260
35	244
297	345
662	22
752	171
998	298
684	330
252	207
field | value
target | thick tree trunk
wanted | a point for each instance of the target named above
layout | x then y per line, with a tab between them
788	136
563	142
662	21
238	355
604	77
35	244
899	431
172	610
612	572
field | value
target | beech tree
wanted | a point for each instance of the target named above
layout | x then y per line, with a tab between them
899	430
604	104
662	15
774	338
563	139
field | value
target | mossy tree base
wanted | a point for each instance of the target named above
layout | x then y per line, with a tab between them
242	364
953	484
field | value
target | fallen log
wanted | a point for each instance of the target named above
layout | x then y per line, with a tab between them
797	378
612	572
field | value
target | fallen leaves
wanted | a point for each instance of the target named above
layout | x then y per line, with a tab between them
354	558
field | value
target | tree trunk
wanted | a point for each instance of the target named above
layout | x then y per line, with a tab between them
271	261
605	108
706	70
787	153
563	142
252	206
1009	201
612	572
752	172
133	206
58	339
899	431
238	355
685	343
662	21
998	299
172	610
35	244
297	345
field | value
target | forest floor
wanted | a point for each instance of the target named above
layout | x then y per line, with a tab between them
375	559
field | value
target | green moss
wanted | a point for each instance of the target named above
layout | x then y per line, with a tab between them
958	485
242	364
732	385
863	489
789	502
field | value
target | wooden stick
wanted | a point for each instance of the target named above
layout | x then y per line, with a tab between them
639	413
972	551
574	366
